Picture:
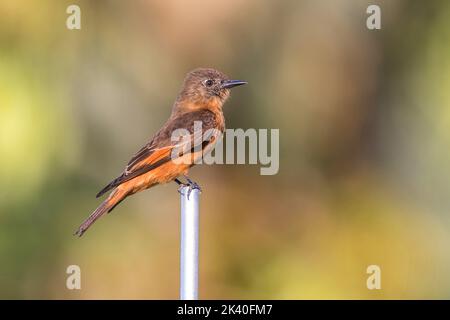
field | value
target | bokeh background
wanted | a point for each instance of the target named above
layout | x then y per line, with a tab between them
364	123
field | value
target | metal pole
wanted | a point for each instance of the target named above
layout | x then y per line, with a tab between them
190	200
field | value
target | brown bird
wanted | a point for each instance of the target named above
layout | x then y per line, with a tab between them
202	96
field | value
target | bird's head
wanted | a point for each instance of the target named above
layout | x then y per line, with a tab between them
207	86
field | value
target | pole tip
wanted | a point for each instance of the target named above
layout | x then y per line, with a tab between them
188	190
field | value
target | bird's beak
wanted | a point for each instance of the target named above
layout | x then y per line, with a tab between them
228	84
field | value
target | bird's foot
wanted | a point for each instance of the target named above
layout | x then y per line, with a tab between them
193	184
190	184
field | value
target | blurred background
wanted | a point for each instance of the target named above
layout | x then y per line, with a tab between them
364	123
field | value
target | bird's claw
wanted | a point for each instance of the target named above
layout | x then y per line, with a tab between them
191	186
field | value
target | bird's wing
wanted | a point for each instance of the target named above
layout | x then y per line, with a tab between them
162	149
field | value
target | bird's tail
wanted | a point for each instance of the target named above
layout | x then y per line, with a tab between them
117	196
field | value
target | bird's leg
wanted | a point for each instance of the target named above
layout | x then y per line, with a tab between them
190	184
193	184
181	185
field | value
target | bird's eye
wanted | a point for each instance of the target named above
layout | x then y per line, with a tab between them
208	83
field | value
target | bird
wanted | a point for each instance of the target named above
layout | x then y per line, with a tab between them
164	159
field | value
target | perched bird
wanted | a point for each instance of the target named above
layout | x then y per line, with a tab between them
201	98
